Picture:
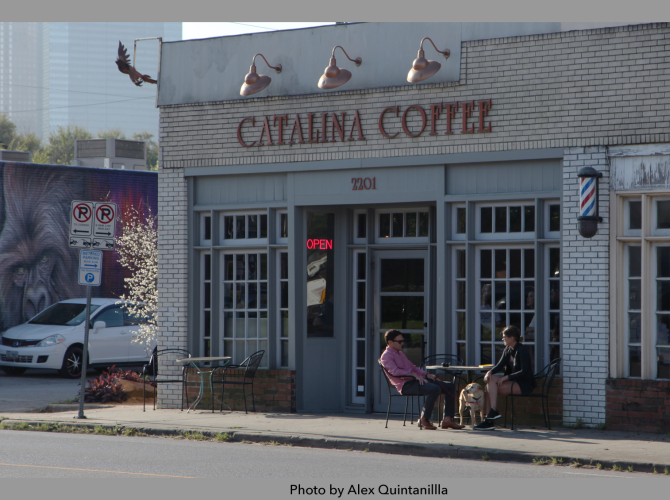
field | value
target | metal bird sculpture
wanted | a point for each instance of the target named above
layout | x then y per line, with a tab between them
125	67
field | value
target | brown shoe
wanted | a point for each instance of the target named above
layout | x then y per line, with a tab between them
424	423
451	425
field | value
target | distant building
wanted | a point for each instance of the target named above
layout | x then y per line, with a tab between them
55	74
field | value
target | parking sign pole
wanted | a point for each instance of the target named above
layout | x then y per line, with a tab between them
84	358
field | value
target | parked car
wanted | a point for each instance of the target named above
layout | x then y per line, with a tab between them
54	339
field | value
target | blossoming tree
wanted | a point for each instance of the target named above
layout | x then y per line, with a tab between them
138	252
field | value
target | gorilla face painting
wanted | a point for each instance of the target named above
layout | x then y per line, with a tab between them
37	266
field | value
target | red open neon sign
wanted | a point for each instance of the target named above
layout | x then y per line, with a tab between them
316	244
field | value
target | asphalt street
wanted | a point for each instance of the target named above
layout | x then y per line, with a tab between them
34	389
26	454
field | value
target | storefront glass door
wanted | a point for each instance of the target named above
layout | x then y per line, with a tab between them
401	303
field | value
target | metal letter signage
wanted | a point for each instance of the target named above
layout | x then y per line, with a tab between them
90	267
93	225
318	128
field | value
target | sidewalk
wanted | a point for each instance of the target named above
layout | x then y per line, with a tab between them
642	451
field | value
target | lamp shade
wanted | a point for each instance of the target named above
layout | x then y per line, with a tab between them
422	68
253	82
333	76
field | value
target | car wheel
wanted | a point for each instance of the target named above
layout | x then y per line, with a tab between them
72	362
13	370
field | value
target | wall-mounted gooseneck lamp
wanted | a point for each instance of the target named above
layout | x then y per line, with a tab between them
588	202
254	82
333	76
422	68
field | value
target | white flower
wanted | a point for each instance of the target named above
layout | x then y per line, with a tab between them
138	252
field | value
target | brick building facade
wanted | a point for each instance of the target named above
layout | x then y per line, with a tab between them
468	190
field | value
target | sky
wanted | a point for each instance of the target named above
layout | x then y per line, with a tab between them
191	31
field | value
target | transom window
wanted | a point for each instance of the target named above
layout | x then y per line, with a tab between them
244	229
509	221
399	225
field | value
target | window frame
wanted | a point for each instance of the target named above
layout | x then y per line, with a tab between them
246	241
494	236
648	240
401	239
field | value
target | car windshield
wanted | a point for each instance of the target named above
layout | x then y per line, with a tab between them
62	315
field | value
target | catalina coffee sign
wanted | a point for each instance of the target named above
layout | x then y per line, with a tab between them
468	117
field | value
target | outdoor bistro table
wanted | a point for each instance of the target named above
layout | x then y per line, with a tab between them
194	363
470	370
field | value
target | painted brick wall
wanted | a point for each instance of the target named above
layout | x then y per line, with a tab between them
579	88
274	391
172	275
585	282
643	405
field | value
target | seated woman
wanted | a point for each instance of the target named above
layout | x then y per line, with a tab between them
517	379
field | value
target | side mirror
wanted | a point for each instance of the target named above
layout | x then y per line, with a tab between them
99	324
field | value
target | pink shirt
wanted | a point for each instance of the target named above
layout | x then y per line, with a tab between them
396	363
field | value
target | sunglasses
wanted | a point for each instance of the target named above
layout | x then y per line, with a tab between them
399	341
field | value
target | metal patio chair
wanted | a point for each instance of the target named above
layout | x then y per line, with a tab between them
397	394
173	373
250	367
548	373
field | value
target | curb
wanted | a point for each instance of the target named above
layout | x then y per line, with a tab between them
432	451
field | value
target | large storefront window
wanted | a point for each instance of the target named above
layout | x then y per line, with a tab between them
244	293
511	285
507	297
320	274
645	285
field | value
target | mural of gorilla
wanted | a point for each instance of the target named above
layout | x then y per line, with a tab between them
37	267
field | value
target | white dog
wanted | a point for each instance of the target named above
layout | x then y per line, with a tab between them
472	397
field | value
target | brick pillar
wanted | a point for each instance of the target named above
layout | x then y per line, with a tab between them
585	281
172	274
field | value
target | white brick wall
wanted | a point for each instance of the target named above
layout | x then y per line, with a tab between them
585	281
579	88
172	273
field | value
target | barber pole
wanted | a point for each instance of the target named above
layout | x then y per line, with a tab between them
587	199
588	202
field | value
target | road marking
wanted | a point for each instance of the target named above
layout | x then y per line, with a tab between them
597	475
97	470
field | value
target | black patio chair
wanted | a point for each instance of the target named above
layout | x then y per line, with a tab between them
548	373
250	366
173	373
392	389
451	359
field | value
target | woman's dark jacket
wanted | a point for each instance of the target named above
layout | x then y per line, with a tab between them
521	371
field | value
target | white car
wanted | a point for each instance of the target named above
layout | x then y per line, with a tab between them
54	339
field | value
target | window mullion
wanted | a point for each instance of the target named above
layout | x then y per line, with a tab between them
646	292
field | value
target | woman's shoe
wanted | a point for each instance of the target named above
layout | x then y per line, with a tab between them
424	423
451	425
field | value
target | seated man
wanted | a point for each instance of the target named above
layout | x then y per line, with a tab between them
424	384
518	377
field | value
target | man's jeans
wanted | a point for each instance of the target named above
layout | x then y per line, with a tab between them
431	389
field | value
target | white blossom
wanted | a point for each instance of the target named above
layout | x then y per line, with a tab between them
138	251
